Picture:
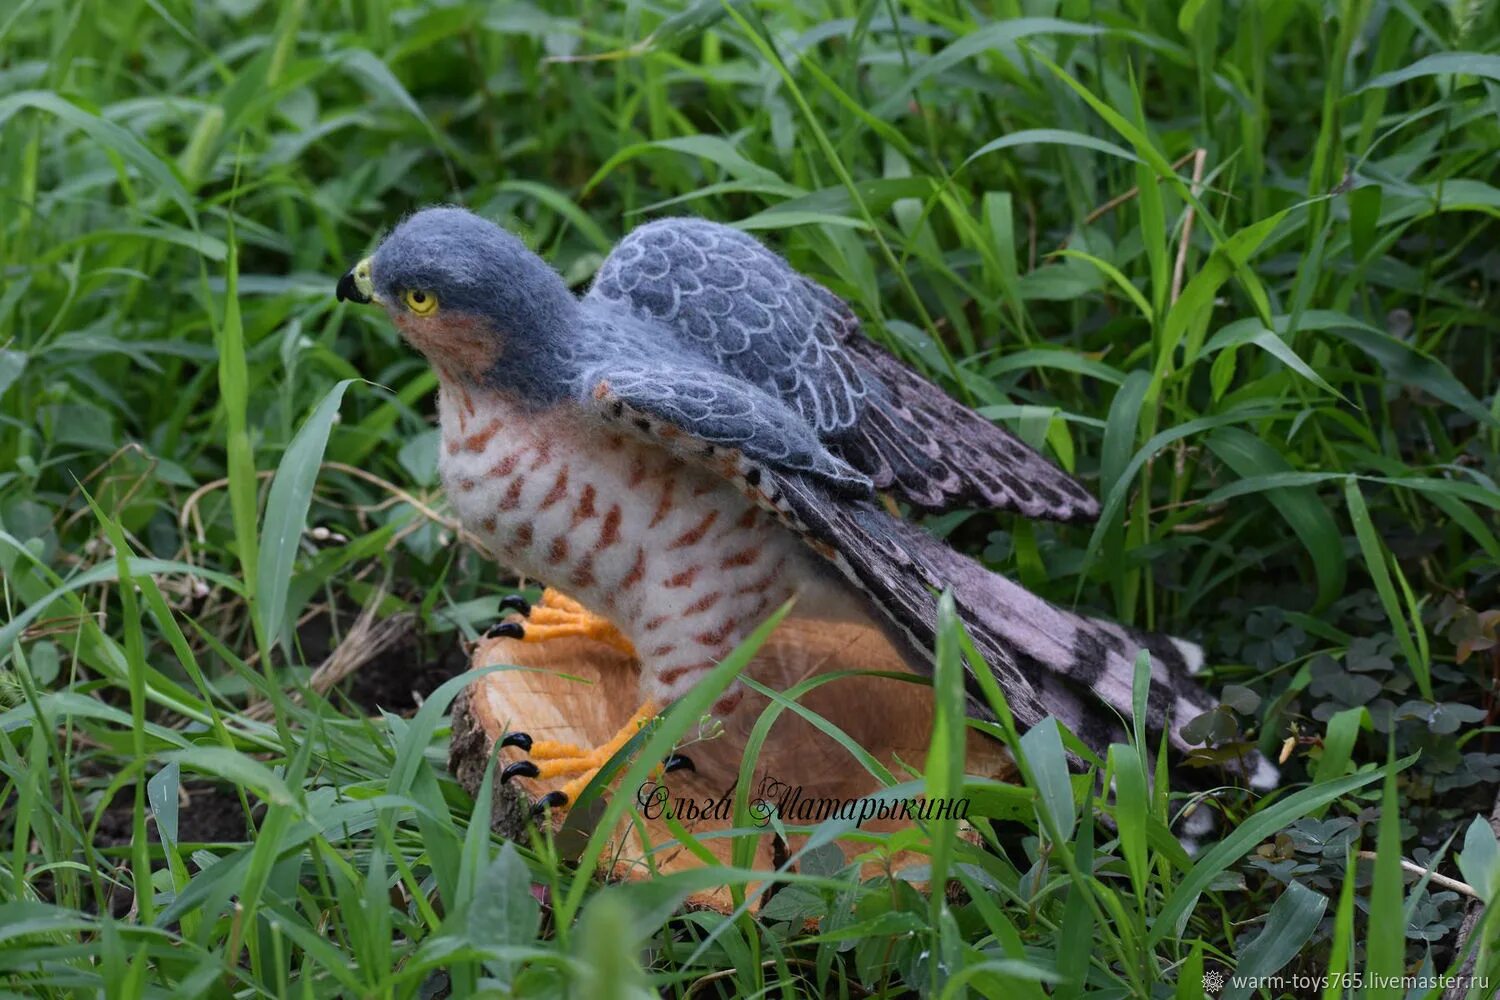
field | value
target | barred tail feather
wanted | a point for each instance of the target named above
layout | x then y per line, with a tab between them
1048	661
1064	653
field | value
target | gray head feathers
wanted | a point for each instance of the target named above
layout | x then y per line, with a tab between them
473	266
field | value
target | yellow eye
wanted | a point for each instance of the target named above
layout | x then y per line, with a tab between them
420	302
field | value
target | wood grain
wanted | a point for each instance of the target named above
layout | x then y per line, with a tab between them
889	717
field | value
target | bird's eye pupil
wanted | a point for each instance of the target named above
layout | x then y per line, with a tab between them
420	302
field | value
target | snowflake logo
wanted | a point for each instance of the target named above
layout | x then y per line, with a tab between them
1213	981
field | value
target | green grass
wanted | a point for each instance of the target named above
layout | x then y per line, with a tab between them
1234	265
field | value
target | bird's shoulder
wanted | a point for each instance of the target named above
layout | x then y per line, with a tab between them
726	296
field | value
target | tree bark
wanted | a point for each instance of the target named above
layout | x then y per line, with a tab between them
799	767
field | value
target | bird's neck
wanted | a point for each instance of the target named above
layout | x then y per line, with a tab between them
467	409
460	347
463	401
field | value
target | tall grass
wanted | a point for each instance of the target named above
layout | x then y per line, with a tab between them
1232	264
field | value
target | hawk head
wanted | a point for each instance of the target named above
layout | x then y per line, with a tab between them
463	291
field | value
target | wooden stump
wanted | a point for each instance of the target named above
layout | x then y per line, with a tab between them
891	718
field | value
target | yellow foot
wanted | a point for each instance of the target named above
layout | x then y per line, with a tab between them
550	759
557	616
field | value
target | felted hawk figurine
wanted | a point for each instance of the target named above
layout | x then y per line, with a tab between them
701	437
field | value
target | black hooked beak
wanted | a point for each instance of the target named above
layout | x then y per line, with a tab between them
347	290
356	285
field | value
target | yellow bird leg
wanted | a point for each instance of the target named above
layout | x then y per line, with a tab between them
556	599
558	616
586	763
554	750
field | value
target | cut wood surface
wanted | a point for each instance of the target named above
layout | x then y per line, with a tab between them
891	718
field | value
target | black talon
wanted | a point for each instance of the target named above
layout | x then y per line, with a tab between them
521	768
506	630
516	603
678	762
519	740
552	800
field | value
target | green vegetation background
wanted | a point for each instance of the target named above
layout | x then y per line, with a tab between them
1235	265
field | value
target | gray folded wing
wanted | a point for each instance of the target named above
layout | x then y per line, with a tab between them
737	305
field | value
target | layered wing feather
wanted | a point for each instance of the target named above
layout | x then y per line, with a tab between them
1047	661
703	411
938	454
740	306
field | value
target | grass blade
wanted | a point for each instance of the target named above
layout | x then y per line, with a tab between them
286	511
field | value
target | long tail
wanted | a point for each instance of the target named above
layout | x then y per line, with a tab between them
1048	661
1083	668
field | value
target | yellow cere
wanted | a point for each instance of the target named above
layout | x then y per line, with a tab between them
420	302
364	280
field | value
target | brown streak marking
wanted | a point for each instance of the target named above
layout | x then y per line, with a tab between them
670	677
695	534
559	489
609	534
453	443
585	508
583	573
761	585
512	498
745	557
656	623
477	441
559	549
488	524
663	650
664	505
747	520
685	578
717	638
637	471
506	465
637	571
702	604
543	453
521	537
466	485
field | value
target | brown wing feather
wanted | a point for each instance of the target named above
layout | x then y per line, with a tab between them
1047	661
937	454
733	302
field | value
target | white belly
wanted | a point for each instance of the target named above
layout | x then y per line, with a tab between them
682	563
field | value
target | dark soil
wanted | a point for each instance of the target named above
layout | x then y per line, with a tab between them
397	680
401	677
210	814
